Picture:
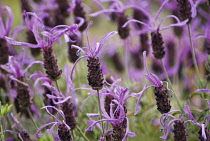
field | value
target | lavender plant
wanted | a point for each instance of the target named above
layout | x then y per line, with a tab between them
105	97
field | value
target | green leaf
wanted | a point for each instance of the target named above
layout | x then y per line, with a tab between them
195	109
46	138
5	110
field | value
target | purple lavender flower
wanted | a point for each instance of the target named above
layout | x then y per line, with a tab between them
17	74
46	43
184	8
163	103
95	76
39	76
63	128
117	112
178	129
5	29
157	41
152	25
66	101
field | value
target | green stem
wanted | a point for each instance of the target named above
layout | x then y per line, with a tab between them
72	134
34	122
82	133
56	83
99	104
193	54
169	81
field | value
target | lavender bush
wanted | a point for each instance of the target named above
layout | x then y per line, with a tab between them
145	75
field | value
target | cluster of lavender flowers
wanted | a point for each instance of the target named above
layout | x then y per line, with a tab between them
50	103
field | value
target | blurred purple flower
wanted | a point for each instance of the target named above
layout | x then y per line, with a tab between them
15	68
48	37
152	26
5	29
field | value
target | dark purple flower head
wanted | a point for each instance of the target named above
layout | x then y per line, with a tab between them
48	37
5	28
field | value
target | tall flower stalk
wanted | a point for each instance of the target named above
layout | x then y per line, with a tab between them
157	41
95	76
187	10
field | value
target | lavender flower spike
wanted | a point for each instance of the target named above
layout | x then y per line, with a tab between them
46	43
163	103
89	52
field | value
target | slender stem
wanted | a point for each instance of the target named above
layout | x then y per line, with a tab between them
72	134
193	54
34	122
126	57
77	77
56	83
82	133
99	104
169	81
